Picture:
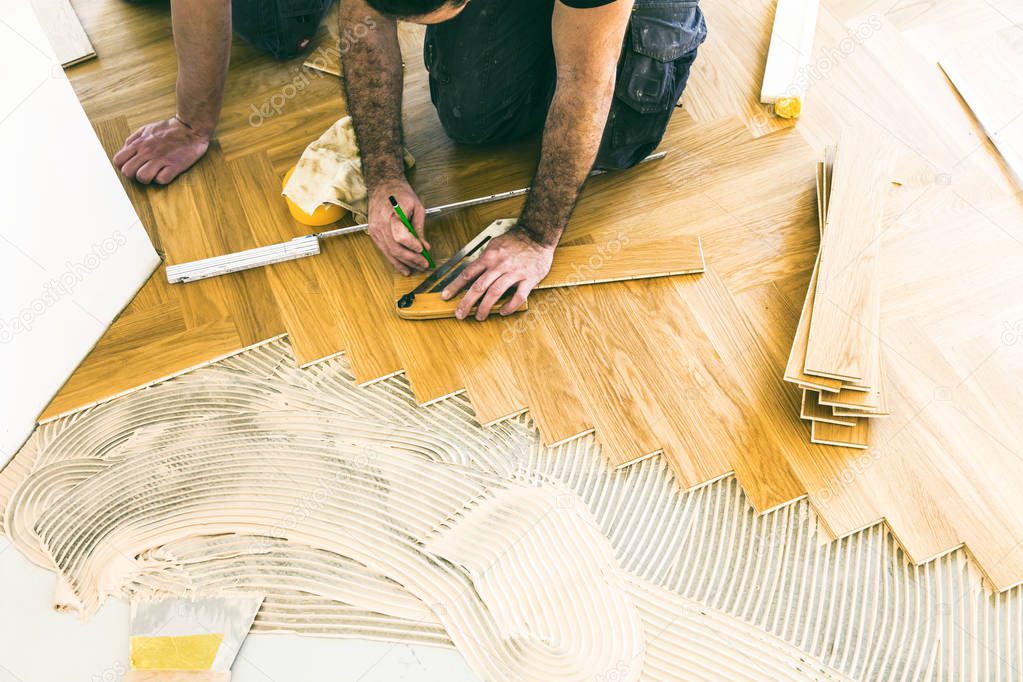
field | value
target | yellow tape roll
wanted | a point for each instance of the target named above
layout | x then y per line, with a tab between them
325	214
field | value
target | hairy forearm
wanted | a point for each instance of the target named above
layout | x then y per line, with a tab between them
202	40
373	84
571	139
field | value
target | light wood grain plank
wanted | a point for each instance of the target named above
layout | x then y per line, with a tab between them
164	355
751	355
794	372
726	81
220	204
603	350
857	436
364	308
811	409
844	326
577	265
297	289
489	376
861	403
64	31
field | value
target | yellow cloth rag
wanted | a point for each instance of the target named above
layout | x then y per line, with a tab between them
330	172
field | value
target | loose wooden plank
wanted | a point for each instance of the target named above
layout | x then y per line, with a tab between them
631	259
64	31
857	400
797	355
579	264
857	436
862	404
844	326
787	71
828	177
820	198
794	368
988	76
812	409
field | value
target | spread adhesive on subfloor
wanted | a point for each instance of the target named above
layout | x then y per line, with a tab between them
359	514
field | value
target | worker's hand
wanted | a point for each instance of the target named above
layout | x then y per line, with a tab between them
401	249
512	260
161	151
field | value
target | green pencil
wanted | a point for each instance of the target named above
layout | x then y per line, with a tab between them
408	226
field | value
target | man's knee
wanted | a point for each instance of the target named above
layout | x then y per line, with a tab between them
652	74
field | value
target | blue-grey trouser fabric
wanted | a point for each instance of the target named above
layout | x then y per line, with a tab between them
282	28
492	73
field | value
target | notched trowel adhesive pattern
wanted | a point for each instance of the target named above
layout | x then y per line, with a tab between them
359	514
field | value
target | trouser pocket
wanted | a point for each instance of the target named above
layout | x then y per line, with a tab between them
660	47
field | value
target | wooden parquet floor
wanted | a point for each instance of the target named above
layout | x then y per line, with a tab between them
690	367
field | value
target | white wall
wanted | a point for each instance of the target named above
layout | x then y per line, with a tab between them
72	250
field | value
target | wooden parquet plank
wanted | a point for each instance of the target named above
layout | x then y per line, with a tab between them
177	219
811	409
826	433
111	133
726	79
788	56
603	348
307	311
551	388
829	475
364	307
862	401
65	33
578	264
489	375
797	355
938	414
844	327
693	381
746	331
430	355
219	204
164	355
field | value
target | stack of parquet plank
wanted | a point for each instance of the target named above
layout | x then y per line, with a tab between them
836	357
